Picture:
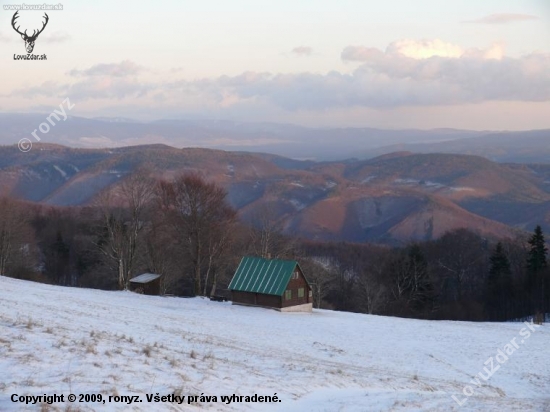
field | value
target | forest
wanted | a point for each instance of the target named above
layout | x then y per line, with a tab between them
186	230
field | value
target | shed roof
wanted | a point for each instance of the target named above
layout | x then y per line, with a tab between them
266	276
145	278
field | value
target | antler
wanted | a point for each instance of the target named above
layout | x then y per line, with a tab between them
43	25
15	17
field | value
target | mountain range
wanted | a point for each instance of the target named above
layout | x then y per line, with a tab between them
295	142
393	198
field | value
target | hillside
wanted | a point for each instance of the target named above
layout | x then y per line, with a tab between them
394	198
67	340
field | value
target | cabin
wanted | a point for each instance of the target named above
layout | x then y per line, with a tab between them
147	284
271	283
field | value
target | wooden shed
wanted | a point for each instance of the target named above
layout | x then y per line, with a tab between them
271	283
147	283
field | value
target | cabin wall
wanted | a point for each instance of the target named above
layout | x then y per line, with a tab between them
243	297
293	286
152	288
268	300
257	299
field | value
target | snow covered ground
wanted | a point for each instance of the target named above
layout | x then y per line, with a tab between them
65	340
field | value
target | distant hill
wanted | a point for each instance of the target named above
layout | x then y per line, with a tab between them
394	198
290	141
518	147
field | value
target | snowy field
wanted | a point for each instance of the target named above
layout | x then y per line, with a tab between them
79	341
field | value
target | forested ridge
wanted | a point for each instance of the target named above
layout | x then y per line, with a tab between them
185	229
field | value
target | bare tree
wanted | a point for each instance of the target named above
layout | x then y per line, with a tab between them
219	241
411	284
372	293
266	235
202	218
161	254
461	260
321	274
122	212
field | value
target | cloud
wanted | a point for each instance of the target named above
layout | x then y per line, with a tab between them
407	73
424	49
122	69
418	50
88	89
360	53
302	51
503	18
56	37
108	88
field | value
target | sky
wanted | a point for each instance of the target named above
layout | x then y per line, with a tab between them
395	64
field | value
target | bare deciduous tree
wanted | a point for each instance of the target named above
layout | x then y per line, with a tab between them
202	218
266	236
122	212
321	274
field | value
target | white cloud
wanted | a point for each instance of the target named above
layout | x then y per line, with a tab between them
419	50
424	49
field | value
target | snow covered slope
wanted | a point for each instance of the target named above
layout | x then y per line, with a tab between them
65	340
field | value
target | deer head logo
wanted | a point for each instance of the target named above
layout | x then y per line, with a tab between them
29	40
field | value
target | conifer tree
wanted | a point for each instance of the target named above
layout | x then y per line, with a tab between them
499	285
537	268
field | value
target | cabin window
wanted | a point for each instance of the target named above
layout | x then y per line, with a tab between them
296	275
288	294
301	292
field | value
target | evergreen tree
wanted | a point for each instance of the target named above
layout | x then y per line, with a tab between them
537	261
499	285
537	267
57	262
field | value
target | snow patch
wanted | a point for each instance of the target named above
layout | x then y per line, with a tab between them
462	189
297	204
368	179
61	171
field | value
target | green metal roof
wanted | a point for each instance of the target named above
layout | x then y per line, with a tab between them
266	276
